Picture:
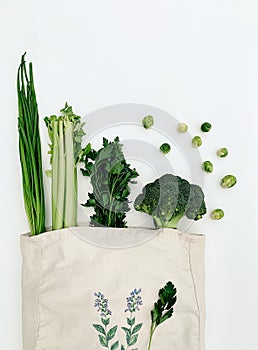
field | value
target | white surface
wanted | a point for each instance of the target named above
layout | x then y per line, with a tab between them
196	60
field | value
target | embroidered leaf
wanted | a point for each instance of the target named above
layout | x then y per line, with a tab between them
127	330
133	340
115	345
128	334
111	333
103	341
137	328
99	328
105	321
122	347
131	321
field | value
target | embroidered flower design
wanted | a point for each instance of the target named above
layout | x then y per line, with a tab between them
134	301
105	333
163	310
101	303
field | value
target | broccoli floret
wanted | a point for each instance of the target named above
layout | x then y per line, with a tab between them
169	198
196	207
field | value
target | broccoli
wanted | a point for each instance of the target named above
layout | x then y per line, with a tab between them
165	148
169	198
148	121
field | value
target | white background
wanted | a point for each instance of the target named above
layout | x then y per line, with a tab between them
198	60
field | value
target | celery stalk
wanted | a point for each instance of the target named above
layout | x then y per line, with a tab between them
57	214
61	173
66	133
70	218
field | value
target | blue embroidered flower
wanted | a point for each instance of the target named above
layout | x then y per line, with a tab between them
101	303
134	301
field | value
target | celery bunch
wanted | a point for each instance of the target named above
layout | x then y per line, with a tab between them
66	134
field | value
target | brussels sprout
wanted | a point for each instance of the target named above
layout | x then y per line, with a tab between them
228	181
196	141
148	121
205	127
217	214
182	127
207	166
165	148
222	152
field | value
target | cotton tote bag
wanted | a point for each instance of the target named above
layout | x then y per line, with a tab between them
89	288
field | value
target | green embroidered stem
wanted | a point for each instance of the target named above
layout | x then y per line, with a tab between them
106	333
131	325
134	301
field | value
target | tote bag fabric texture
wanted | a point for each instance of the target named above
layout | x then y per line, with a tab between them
90	288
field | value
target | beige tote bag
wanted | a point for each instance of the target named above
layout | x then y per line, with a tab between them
89	288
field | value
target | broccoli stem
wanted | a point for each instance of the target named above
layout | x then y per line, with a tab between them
172	223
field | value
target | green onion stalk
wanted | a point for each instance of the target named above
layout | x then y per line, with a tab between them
66	134
30	149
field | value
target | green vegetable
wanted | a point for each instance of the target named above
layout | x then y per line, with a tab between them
182	127
217	214
148	121
163	308
206	127
222	152
30	149
66	134
110	177
168	199
165	148
207	166
228	181
196	141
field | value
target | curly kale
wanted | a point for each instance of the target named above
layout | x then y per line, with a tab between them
169	198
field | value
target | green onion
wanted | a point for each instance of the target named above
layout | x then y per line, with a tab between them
30	149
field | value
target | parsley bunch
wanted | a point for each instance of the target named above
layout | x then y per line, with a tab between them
110	176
